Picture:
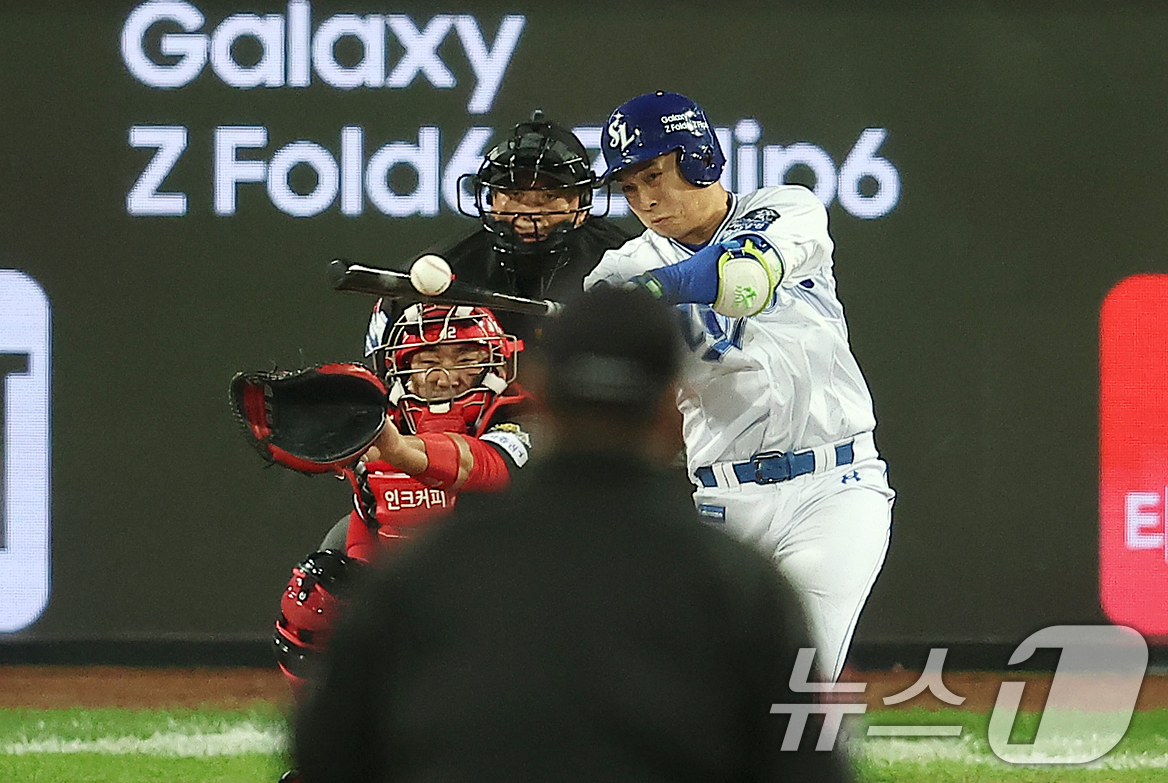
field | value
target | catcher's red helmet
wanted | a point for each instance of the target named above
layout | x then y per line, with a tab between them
422	326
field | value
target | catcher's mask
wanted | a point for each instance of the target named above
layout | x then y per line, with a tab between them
415	391
531	191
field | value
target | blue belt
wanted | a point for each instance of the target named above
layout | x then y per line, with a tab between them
771	467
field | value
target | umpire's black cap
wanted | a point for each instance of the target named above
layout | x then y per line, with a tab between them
612	347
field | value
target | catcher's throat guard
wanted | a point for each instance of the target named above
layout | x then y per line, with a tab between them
315	420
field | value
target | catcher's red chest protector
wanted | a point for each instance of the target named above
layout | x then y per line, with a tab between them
389	506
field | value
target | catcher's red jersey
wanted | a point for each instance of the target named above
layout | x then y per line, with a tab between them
390	505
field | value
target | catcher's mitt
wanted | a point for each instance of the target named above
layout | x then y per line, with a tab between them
314	420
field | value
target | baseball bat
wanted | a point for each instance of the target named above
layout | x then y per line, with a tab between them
346	276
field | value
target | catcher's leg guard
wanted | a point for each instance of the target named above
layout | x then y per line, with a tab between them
309	609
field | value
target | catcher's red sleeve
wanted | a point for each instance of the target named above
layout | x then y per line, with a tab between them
463	463
489	472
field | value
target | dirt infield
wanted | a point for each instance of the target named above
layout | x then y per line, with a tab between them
62	687
59	687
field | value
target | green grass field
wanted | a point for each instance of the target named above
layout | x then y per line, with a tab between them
217	746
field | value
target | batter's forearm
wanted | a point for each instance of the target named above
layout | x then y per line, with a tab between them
692	281
737	276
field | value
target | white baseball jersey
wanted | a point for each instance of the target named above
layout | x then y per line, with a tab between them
782	380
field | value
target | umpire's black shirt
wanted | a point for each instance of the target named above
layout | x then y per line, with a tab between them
584	626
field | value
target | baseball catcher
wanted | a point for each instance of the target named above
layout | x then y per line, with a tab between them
444	423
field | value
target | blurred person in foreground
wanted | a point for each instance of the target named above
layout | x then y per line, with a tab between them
583	625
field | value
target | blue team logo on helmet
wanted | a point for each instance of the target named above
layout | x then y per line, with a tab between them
659	122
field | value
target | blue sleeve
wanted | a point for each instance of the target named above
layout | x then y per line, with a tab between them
692	281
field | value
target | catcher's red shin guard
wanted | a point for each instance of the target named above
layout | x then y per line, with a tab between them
309	608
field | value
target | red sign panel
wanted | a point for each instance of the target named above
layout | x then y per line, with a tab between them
1133	454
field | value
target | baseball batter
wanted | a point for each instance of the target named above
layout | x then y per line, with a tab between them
778	420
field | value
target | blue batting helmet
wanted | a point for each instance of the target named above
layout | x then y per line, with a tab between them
659	122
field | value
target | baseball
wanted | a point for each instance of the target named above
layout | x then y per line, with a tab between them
430	275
